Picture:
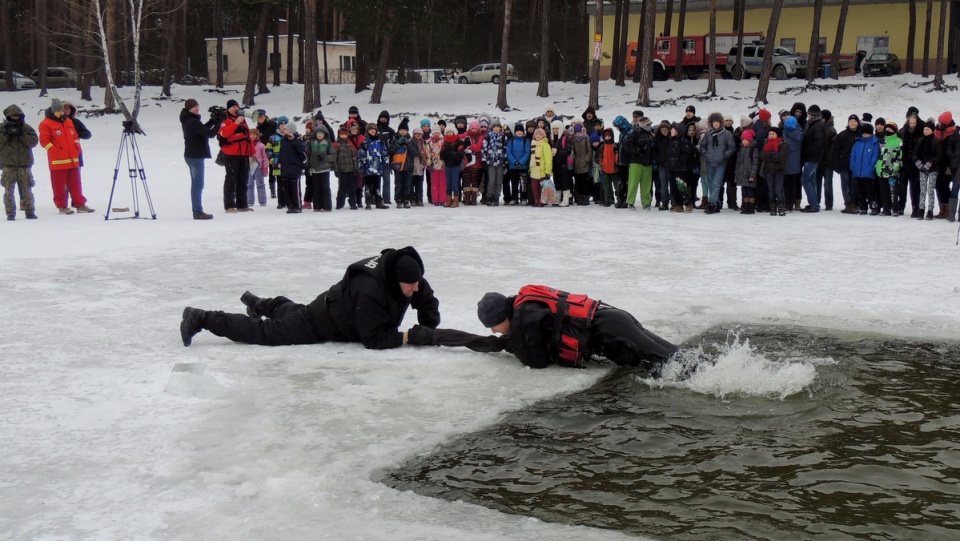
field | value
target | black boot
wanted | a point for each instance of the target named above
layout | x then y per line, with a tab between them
253	303
193	322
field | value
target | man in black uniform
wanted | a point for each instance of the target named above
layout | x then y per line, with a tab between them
366	306
542	325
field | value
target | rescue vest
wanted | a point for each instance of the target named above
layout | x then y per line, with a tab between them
573	316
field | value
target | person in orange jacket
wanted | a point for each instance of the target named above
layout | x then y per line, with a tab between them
59	138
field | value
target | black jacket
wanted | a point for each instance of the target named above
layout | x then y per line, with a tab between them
842	147
196	135
367	305
814	142
531	329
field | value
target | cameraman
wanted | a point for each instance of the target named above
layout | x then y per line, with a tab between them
16	159
196	148
234	137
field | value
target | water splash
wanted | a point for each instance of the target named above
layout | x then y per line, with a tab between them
737	369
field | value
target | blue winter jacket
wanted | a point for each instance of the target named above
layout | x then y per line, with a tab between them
292	155
518	153
624	127
793	136
372	158
493	149
864	156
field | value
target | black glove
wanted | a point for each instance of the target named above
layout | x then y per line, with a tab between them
419	335
13	129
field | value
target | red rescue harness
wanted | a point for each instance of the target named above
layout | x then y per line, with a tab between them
573	316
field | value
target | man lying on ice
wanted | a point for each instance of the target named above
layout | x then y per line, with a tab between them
542	325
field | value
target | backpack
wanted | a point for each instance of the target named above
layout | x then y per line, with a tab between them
399	159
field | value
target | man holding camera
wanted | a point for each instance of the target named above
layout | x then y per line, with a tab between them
234	137
366	306
196	149
16	158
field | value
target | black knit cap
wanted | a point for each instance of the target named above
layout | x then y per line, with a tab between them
231	103
691	109
492	309
353	110
408	270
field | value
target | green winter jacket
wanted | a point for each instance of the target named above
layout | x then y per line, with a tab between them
16	140
888	166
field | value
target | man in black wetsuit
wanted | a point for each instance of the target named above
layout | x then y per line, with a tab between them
366	306
542	325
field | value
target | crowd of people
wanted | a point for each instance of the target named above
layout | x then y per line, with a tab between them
764	163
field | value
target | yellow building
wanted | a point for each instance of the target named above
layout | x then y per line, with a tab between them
866	21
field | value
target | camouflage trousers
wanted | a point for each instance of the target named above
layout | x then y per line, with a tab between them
19	177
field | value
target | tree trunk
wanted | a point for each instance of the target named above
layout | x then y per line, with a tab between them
7	44
289	46
736	16
941	36
325	36
813	57
504	56
764	83
678	70
218	33
641	43
543	90
926	39
912	35
668	18
257	52
263	45
311	64
276	49
532	26
837	43
170	48
646	61
595	69
739	61
624	47
583	26
618	61
43	43
712	78
389	31
89	69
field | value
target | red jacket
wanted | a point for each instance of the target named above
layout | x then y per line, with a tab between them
59	138
237	137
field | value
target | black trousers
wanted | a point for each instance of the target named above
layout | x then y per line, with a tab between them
285	323
619	337
235	182
347	188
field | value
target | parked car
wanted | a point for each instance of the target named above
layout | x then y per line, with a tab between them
785	63
57	77
482	73
881	64
20	81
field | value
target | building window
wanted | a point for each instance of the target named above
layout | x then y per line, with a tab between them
348	63
275	62
226	65
789	43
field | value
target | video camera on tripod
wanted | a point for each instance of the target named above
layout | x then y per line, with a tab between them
219	113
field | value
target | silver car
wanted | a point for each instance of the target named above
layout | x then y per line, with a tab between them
785	63
486	73
20	81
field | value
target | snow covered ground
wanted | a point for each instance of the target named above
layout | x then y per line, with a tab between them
111	429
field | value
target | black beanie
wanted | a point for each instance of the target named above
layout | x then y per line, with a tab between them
913	111
353	110
408	270
404	124
231	103
691	109
492	309
867	128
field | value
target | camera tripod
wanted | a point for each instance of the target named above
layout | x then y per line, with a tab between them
130	151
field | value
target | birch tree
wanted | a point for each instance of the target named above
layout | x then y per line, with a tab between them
135	21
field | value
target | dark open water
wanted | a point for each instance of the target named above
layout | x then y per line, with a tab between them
794	434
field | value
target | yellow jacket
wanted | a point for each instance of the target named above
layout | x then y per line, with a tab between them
541	159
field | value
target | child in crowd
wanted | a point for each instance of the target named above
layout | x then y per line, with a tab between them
926	157
774	158
292	156
518	161
373	160
582	160
345	166
403	154
452	155
259	169
745	171
888	170
435	166
541	164
863	166
494	152
607	159
419	165
320	158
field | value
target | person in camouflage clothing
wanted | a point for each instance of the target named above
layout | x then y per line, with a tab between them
16	158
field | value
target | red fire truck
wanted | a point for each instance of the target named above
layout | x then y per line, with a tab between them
696	54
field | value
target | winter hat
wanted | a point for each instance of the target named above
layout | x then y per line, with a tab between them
263	112
691	109
492	309
190	104
892	127
556	125
826	114
714	117
867	128
814	110
728	118
745	121
748	135
913	111
646	123
417	130
777	131
404	124
408	270
474	125
518	127
56	106
549	109
540	132
316	116
577	127
853	117
930	124
866	117
451	129
945	118
608	131
231	103
791	123
440	122
353	110
764	115
638	113
495	122
882	121
783	113
425	122
282	120
531	123
372	126
322	129
343	129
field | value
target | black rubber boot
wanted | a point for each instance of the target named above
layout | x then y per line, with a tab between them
253	304
193	322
